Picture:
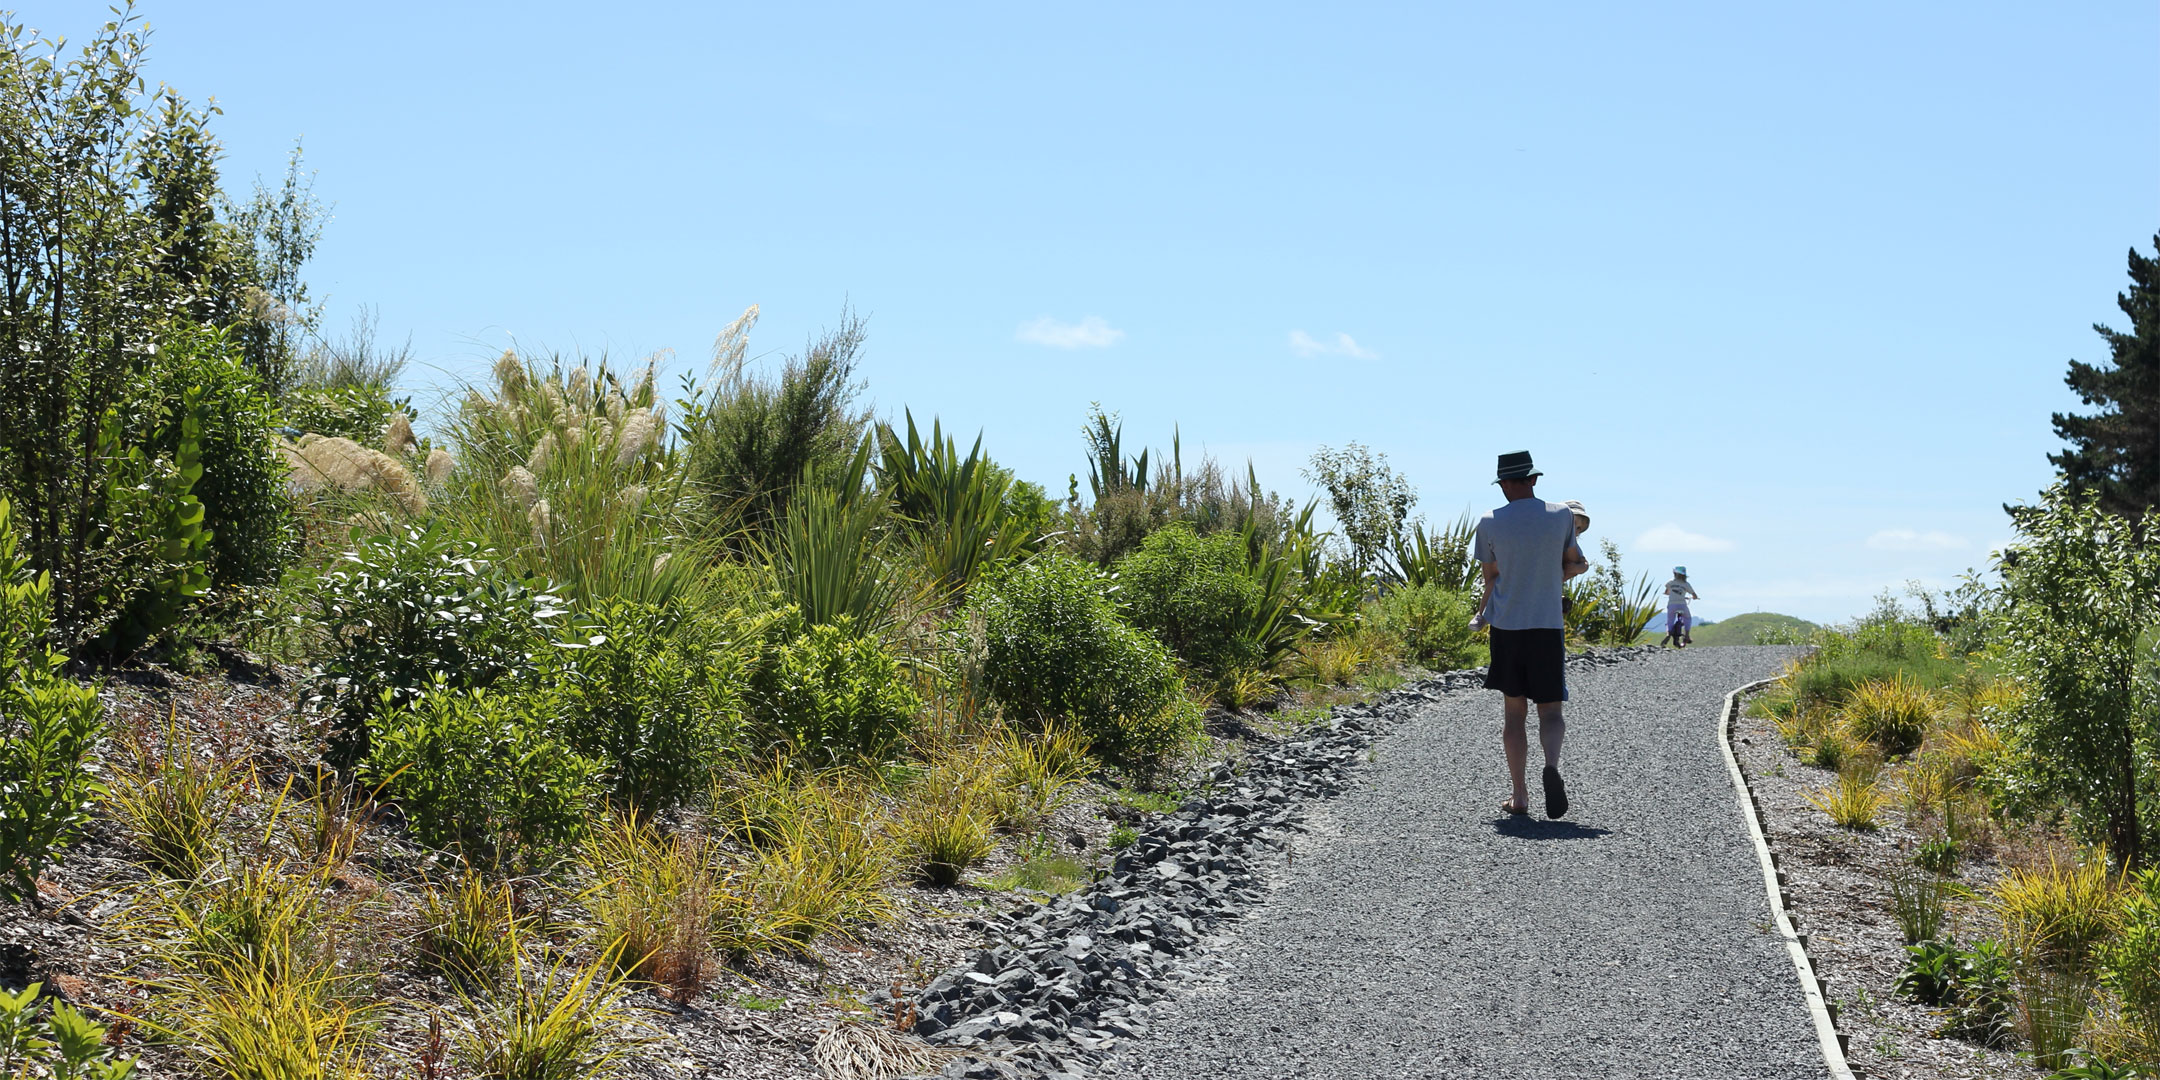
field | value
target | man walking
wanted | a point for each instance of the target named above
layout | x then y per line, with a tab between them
1528	550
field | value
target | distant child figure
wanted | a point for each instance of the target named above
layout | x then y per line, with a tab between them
1677	593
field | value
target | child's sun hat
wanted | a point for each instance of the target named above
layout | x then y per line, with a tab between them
1680	570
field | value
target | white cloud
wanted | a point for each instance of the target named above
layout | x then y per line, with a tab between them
1088	333
1671	537
1909	540
1303	344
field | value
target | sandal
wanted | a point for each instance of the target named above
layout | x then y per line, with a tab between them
1508	806
1556	804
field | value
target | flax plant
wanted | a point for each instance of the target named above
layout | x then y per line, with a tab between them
1438	556
830	554
954	506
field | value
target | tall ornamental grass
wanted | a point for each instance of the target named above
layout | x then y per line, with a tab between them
568	475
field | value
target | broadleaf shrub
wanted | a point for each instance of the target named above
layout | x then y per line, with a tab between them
1194	594
358	412
2130	963
247	509
1430	623
636	689
827	694
405	607
1054	647
478	769
48	726
2077	635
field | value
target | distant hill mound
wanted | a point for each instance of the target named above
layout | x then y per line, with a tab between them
1741	629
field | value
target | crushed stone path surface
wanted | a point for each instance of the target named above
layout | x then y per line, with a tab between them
1418	932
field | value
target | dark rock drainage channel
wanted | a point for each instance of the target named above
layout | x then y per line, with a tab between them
1070	975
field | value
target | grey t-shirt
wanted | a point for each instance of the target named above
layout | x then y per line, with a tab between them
1528	538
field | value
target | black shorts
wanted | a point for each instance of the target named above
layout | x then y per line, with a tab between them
1528	663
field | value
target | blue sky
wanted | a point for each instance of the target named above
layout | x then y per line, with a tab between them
1840	253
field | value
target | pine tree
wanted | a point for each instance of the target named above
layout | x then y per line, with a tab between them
2115	452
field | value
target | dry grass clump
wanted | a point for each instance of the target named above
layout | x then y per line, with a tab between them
469	930
174	800
1893	714
551	1020
816	855
945	822
338	464
656	899
1853	801
850	1050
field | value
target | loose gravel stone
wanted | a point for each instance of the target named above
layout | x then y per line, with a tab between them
1417	931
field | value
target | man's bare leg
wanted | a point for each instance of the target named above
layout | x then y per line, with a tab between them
1515	739
1552	730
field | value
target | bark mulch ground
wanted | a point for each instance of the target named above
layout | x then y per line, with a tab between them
1841	897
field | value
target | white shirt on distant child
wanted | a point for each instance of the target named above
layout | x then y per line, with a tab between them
1678	592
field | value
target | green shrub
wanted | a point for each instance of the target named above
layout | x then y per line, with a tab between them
1981	990
1938	854
89	185
247	509
828	694
1431	623
2130	964
1974	984
48	726
1930	971
2078	638
63	1043
166	566
358	412
1192	591
406	607
1055	648
640	691
477	769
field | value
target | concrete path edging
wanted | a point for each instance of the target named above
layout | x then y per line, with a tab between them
1811	986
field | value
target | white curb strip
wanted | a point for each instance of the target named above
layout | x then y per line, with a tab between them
1826	1032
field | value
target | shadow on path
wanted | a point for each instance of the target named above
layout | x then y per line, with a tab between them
1524	827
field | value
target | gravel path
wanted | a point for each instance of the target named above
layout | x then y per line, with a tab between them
1419	933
